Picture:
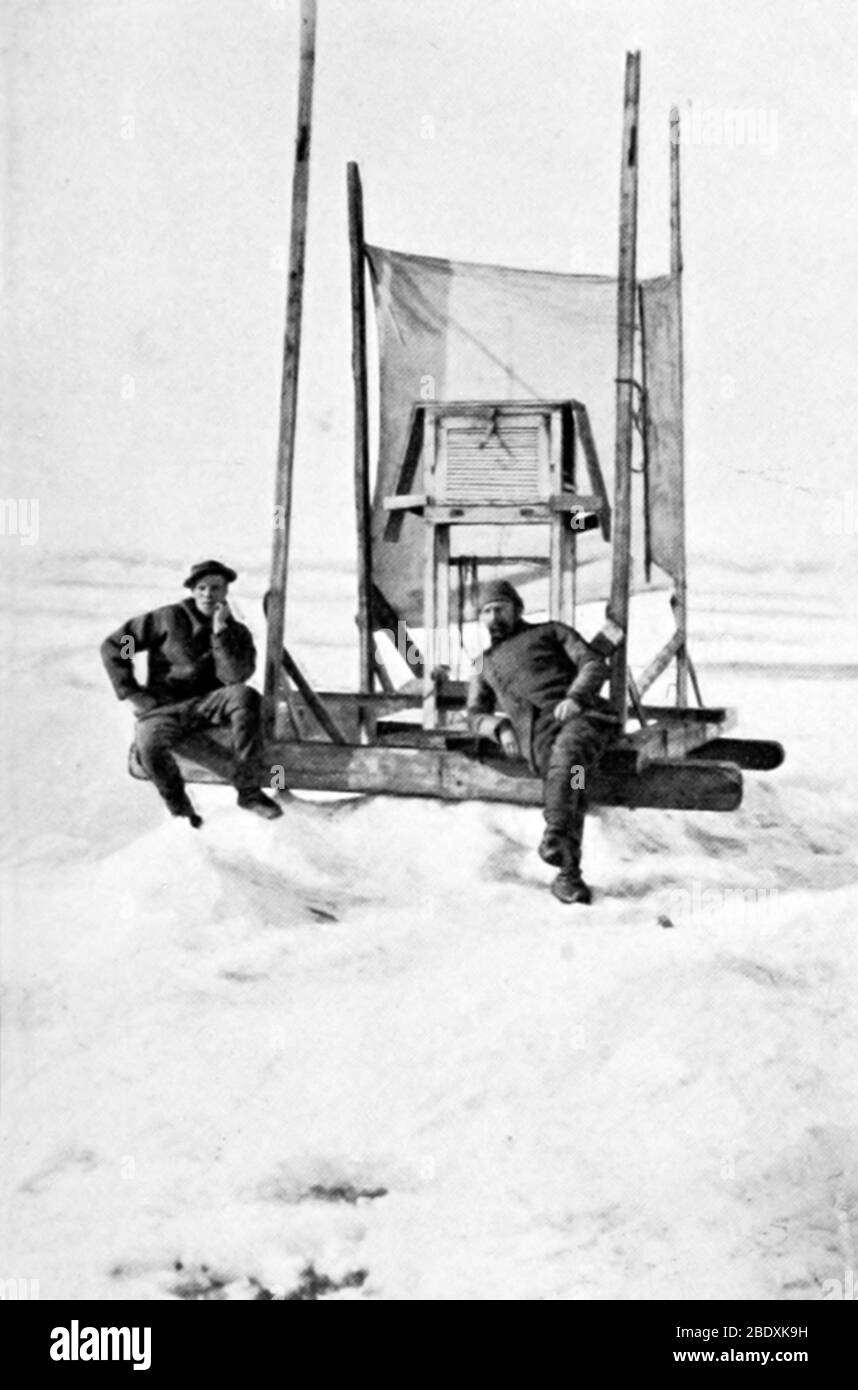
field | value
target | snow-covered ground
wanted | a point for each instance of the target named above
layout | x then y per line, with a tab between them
361	1053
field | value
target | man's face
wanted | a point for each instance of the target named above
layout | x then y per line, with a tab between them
208	592
499	617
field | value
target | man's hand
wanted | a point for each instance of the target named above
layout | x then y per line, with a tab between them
508	740
567	709
221	616
142	702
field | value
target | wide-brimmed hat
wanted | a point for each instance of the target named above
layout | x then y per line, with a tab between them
205	567
497	590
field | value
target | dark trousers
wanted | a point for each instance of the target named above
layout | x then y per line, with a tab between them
160	731
565	755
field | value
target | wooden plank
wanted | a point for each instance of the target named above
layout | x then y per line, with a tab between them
430	623
408	470
659	663
385	679
551	441
436	612
442	551
594	468
618	606
692	673
291	358
454	776
385	618
472	589
405	502
575	501
673	738
556	555
488	513
344	705
671	786
755	755
720	714
306	691
316	705
363	506
489	409
635	697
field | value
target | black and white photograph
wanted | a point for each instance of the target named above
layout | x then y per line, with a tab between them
429	543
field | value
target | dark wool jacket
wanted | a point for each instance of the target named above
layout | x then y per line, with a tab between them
531	671
185	657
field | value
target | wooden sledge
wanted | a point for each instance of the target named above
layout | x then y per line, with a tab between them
415	741
678	766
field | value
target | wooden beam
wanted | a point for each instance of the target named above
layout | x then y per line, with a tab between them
405	502
659	663
436	618
317	706
576	501
345	705
363	507
618	605
645	440
311	699
594	468
455	776
408	470
385	679
681	592
386	619
662	738
496	513
291	357
757	755
693	677
635	697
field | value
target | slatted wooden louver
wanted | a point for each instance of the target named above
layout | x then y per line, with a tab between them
504	461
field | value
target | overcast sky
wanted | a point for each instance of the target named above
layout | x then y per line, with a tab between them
148	162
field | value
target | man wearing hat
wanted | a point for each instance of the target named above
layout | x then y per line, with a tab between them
537	696
199	658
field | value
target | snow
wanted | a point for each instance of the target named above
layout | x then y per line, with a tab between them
365	1042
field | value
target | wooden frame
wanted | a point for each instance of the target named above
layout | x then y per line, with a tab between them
415	742
401	745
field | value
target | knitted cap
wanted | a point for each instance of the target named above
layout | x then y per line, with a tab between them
497	590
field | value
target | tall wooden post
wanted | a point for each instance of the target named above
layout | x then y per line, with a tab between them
618	605
363	510
680	604
291	356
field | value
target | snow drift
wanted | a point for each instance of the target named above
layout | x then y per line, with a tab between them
361	1053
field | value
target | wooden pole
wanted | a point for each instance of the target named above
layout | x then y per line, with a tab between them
363	509
645	438
291	356
681	592
618	606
